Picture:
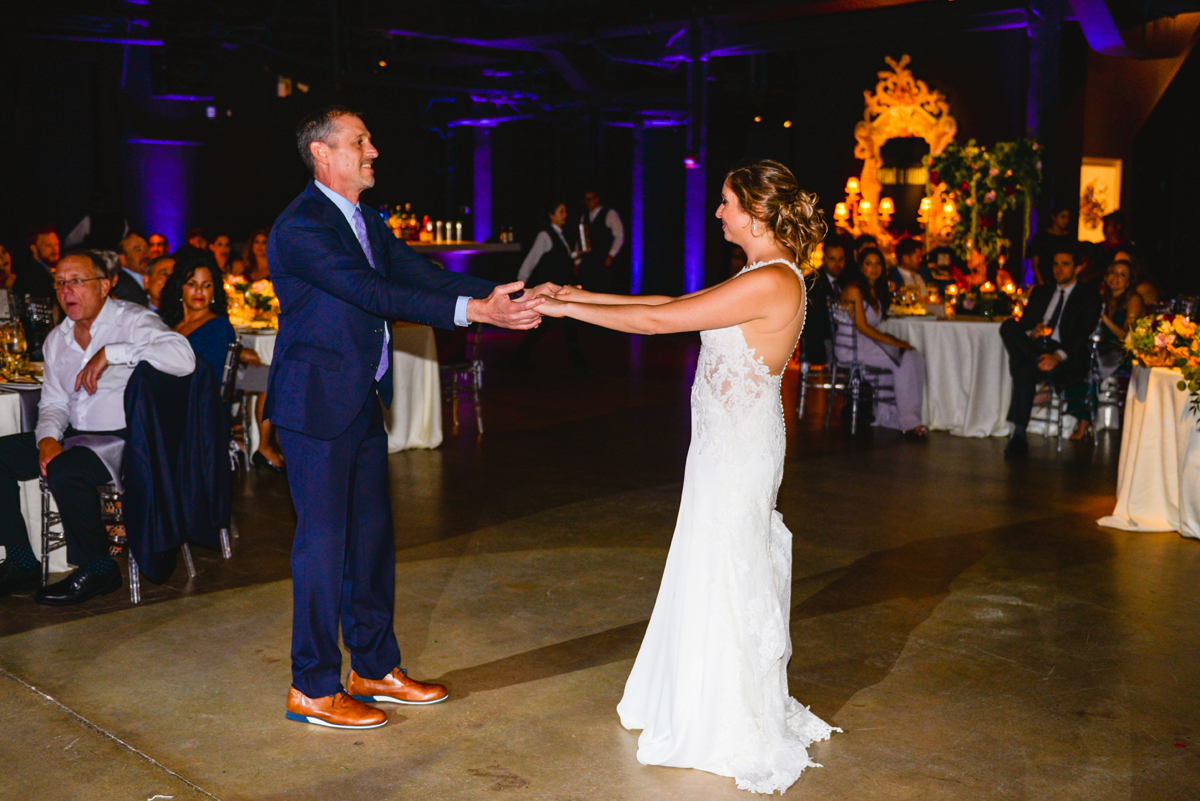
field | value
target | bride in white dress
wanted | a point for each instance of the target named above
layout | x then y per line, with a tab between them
709	686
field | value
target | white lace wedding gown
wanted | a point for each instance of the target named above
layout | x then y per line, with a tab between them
709	686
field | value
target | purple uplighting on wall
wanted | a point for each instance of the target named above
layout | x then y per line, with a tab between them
159	192
482	204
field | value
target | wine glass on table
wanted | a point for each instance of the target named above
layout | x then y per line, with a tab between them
14	347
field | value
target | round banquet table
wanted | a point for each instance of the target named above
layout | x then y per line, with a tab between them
1158	475
967	385
31	494
415	419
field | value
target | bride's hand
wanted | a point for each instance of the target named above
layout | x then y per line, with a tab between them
548	289
552	308
574	293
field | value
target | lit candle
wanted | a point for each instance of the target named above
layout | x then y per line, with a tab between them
439	231
1009	288
988	286
840	212
458	232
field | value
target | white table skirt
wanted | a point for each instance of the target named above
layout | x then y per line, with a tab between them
1158	476
415	419
31	494
967	385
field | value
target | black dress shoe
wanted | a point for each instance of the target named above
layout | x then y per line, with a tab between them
17	579
1017	446
79	587
258	460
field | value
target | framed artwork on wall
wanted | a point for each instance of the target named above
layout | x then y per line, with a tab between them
1099	194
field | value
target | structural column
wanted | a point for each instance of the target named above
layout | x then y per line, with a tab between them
1041	103
696	162
637	216
481	207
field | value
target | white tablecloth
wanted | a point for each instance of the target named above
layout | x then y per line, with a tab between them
31	495
967	385
1158	476
415	419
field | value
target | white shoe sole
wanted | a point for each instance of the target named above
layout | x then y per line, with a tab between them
387	699
318	722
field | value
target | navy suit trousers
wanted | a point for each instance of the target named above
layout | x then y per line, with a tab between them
344	555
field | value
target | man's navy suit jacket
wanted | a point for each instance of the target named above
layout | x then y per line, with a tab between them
333	309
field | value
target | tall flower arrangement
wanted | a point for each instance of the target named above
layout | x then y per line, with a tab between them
984	185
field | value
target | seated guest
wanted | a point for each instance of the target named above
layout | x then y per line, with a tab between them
35	277
156	278
1121	305
865	285
1049	342
252	266
221	248
159	246
194	305
910	269
1143	284
89	358
825	285
7	276
133	251
861	243
196	238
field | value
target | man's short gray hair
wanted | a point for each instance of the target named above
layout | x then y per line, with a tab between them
104	262
319	127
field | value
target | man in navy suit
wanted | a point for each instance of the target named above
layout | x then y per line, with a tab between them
341	276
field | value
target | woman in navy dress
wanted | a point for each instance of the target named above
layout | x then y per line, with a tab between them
194	305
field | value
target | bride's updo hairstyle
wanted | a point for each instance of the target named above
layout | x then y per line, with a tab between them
768	192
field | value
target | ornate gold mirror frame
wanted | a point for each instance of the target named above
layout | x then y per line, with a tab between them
900	107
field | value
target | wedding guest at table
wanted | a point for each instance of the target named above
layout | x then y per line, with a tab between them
252	266
35	275
550	259
825	285
89	358
861	243
866	286
159	246
44	247
222	248
1049	342
194	305
1058	234
197	238
910	269
7	276
607	238
1144	283
157	273
133	251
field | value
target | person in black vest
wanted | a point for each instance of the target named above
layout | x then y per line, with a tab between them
606	235
1050	341
551	259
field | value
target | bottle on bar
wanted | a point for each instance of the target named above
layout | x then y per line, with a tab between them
585	238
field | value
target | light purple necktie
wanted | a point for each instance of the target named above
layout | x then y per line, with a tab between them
360	231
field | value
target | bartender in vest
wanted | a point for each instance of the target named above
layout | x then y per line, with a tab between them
606	236
551	259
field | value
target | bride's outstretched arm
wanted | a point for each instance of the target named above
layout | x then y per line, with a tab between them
750	297
576	295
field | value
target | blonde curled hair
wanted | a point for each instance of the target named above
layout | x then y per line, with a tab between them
768	192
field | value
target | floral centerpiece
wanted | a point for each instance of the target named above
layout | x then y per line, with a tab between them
983	301
252	305
984	185
1168	340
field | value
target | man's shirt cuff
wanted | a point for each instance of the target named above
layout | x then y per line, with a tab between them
460	312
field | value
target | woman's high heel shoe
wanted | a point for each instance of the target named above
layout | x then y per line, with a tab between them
258	460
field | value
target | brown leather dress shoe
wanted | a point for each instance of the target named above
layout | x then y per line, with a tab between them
337	711
395	688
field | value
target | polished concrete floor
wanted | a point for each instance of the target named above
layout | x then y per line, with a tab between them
963	619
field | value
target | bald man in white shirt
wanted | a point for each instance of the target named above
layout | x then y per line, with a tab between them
89	358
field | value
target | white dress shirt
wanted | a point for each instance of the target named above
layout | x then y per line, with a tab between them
913	279
1066	297
347	209
541	246
129	334
612	221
